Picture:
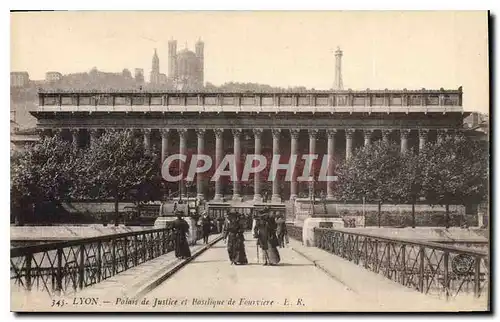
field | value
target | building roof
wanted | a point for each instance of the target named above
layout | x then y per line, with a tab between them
133	90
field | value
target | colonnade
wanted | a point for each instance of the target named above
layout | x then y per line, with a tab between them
257	134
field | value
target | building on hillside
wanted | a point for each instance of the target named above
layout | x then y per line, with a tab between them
139	75
19	79
53	77
154	78
21	138
478	125
163	79
185	67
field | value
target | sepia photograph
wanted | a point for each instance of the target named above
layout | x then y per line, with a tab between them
250	161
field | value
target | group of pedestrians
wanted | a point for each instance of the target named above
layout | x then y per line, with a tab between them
269	231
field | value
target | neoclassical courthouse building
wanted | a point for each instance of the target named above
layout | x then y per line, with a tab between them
332	123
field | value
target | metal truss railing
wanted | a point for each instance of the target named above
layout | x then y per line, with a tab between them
64	267
430	268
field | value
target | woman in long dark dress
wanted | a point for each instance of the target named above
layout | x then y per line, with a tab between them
181	229
235	240
267	241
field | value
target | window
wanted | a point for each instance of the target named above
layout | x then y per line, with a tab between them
341	100
377	100
432	100
49	100
138	100
304	101
414	100
267	101
358	101
285	101
248	100
396	100
192	100
451	100
68	100
122	100
173	100
210	100
104	100
228	100
156	100
84	100
322	101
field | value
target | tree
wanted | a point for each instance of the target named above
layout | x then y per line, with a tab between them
370	173
117	167
41	174
455	172
408	186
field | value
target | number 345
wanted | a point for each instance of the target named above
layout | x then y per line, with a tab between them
59	303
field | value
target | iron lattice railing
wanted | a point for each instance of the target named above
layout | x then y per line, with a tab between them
294	232
430	268
64	267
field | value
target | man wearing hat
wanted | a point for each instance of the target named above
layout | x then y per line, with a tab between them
206	226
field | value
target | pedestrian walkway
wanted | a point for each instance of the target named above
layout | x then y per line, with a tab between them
307	279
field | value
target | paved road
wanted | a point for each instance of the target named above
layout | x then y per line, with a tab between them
209	282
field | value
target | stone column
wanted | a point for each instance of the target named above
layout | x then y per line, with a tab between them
182	151
422	138
331	152
199	177
237	160
404	140
147	140
386	133
294	137
164	144
348	143
74	134
368	137
257	133
312	150
218	159
276	150
93	136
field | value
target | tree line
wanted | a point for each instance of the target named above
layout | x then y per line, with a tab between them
116	167
451	171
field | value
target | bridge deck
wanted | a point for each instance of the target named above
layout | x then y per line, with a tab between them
307	279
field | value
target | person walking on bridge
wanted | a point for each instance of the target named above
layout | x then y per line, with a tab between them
281	231
265	233
206	227
181	230
233	233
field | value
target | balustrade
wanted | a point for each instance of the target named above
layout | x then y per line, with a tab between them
316	99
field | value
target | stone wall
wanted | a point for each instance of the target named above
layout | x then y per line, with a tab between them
391	215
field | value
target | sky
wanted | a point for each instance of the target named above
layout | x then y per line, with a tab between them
385	49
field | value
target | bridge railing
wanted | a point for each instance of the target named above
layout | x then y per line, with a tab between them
430	268
294	232
64	267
